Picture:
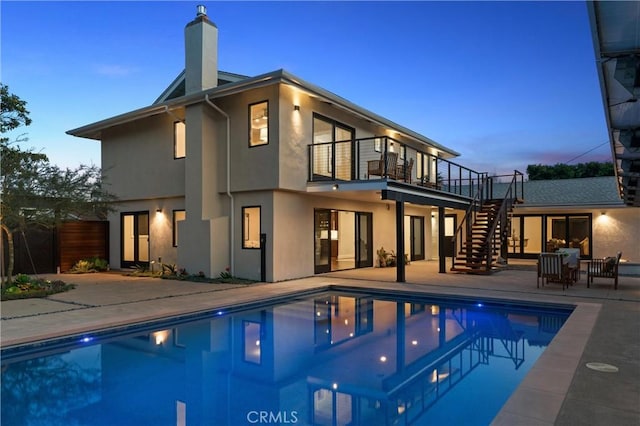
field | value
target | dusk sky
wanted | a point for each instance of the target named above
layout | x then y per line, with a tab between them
506	84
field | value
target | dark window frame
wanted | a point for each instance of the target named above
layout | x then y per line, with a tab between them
250	120
174	223
244	226
175	140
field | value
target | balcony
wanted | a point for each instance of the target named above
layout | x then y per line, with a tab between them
386	159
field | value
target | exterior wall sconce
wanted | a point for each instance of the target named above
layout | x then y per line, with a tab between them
603	213
296	107
335	187
158	210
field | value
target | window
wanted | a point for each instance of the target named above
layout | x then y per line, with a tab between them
377	144
573	231
251	227
259	124
179	140
178	215
332	151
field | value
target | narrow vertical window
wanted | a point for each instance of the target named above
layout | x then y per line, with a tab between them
259	124
178	215
251	227
179	140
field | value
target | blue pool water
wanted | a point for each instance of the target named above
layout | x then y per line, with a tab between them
337	358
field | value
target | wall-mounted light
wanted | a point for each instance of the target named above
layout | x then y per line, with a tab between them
158	210
335	187
603	213
296	107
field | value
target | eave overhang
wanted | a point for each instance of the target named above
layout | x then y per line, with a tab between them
94	130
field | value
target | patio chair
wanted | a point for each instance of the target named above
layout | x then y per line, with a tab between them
377	167
604	268
404	170
550	269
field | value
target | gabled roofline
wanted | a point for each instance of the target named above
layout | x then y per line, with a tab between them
173	86
94	130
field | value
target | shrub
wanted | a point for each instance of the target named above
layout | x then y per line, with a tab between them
93	264
24	287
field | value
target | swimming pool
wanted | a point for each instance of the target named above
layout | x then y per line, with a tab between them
339	357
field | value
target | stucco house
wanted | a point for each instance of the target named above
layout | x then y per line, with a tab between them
273	178
269	177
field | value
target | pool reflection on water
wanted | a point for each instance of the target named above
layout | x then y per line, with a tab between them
329	359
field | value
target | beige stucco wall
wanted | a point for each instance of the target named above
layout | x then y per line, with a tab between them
160	229
206	226
617	230
138	159
288	221
140	169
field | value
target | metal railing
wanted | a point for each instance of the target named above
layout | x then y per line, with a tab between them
510	189
383	157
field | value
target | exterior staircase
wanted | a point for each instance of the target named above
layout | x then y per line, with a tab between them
480	243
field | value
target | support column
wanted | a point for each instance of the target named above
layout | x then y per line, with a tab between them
441	242
400	272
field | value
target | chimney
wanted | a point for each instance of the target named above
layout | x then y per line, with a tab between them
201	53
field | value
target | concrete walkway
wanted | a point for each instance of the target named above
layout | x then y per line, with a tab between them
560	389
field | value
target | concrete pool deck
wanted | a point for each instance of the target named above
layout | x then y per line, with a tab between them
560	389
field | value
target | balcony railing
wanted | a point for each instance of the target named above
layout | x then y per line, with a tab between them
386	158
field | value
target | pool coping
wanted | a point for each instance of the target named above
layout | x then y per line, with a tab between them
539	397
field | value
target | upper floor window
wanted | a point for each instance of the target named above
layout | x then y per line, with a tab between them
179	140
259	124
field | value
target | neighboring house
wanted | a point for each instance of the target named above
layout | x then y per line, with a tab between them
222	165
579	213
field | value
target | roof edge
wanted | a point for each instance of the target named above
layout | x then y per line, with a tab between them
93	130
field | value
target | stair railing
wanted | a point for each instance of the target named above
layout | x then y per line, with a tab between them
511	196
470	216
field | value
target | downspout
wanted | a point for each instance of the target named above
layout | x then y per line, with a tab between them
231	208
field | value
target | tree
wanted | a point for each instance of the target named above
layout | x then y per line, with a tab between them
37	193
565	171
14	111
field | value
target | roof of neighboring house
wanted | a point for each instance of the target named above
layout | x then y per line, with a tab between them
585	192
166	102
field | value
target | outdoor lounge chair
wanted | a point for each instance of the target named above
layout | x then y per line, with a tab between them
604	268
550	269
377	167
404	170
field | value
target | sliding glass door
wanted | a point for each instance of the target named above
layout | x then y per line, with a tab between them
342	240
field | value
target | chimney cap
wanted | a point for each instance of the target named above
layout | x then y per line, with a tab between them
202	10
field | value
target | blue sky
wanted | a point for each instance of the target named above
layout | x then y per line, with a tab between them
506	84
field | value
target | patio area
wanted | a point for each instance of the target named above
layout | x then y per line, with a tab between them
560	389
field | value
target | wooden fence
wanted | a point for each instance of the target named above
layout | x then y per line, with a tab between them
40	250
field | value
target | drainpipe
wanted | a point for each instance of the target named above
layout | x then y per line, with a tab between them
231	214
